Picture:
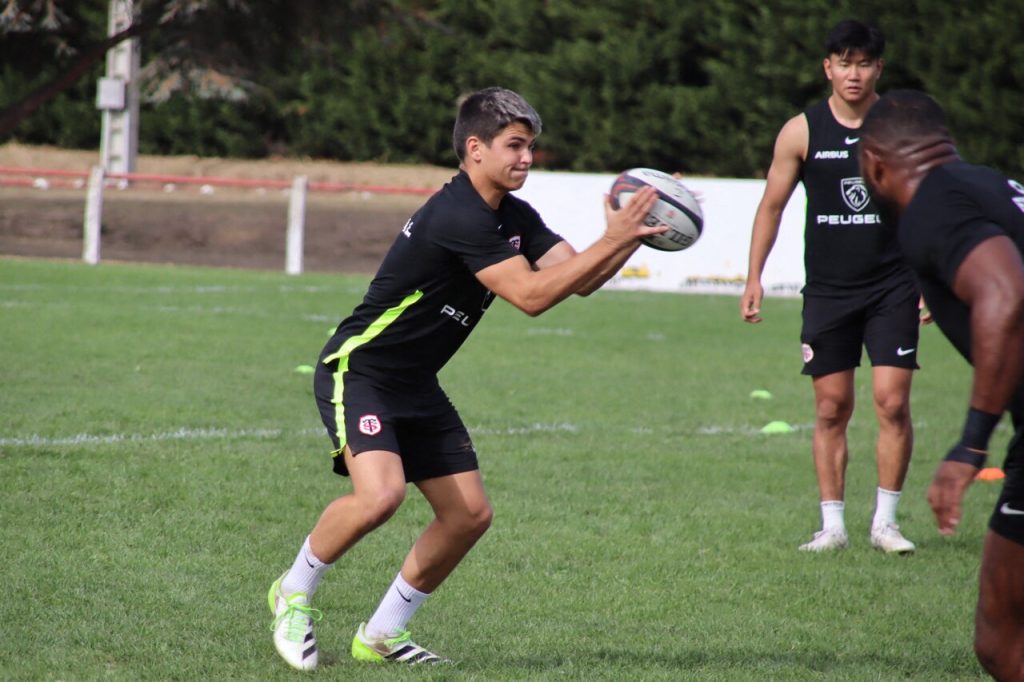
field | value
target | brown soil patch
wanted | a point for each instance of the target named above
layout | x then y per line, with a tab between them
344	231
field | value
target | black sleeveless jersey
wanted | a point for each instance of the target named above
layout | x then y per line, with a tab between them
956	207
425	298
845	244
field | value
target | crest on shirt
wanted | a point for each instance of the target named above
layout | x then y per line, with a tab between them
514	241
855	194
369	425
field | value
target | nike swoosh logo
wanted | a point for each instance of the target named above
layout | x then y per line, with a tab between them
904	351
851	140
402	595
1010	511
308	563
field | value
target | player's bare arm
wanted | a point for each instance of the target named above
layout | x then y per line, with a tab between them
991	281
534	291
563	251
783	175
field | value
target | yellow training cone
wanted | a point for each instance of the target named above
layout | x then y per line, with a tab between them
776	427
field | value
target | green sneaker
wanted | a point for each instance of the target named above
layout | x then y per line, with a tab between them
293	626
400	649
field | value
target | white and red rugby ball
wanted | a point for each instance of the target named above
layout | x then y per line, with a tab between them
676	207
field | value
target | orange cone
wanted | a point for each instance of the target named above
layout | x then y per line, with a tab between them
990	474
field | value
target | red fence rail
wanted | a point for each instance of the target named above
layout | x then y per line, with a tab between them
27	177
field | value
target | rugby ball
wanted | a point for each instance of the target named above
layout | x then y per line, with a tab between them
676	207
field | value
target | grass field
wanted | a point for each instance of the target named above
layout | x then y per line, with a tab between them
162	461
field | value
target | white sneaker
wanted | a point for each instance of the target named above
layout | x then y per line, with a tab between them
293	626
890	540
826	541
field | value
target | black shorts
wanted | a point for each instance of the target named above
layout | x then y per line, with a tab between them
418	422
1008	517
884	319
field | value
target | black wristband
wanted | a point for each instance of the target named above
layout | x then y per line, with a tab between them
978	429
959	453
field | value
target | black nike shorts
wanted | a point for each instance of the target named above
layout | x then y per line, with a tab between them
418	422
883	319
1008	517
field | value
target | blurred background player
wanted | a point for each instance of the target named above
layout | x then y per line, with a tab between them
858	293
961	228
376	382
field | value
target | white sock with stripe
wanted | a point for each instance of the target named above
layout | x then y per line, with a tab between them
305	573
396	608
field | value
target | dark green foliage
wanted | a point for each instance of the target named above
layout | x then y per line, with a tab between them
69	120
701	88
204	127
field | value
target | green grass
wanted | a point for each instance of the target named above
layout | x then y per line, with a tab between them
161	461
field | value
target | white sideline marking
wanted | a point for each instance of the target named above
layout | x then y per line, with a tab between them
717	430
196	288
545	331
178	434
520	430
185	433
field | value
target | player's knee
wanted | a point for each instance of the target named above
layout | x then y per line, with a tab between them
474	521
1002	658
483	517
832	411
988	656
893	409
382	505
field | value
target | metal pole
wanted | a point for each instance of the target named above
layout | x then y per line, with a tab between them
296	226
93	217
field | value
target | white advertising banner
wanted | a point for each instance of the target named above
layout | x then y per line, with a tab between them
572	205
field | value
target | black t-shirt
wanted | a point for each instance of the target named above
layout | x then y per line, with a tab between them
846	246
425	299
956	207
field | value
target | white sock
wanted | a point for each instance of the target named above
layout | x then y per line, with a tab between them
885	509
396	608
832	515
305	573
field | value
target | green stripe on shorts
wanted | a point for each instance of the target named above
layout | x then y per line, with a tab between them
342	354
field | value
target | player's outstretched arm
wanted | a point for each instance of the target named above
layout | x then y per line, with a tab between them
784	173
534	291
562	252
991	281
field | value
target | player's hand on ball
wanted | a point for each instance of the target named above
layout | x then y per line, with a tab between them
626	224
946	493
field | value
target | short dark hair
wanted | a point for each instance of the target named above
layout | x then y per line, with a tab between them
850	35
902	115
485	113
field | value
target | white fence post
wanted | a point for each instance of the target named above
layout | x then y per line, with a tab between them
296	225
93	217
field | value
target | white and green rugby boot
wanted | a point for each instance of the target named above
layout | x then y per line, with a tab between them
399	649
293	626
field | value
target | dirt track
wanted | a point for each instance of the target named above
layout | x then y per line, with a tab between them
345	232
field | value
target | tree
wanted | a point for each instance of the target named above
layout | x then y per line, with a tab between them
76	39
